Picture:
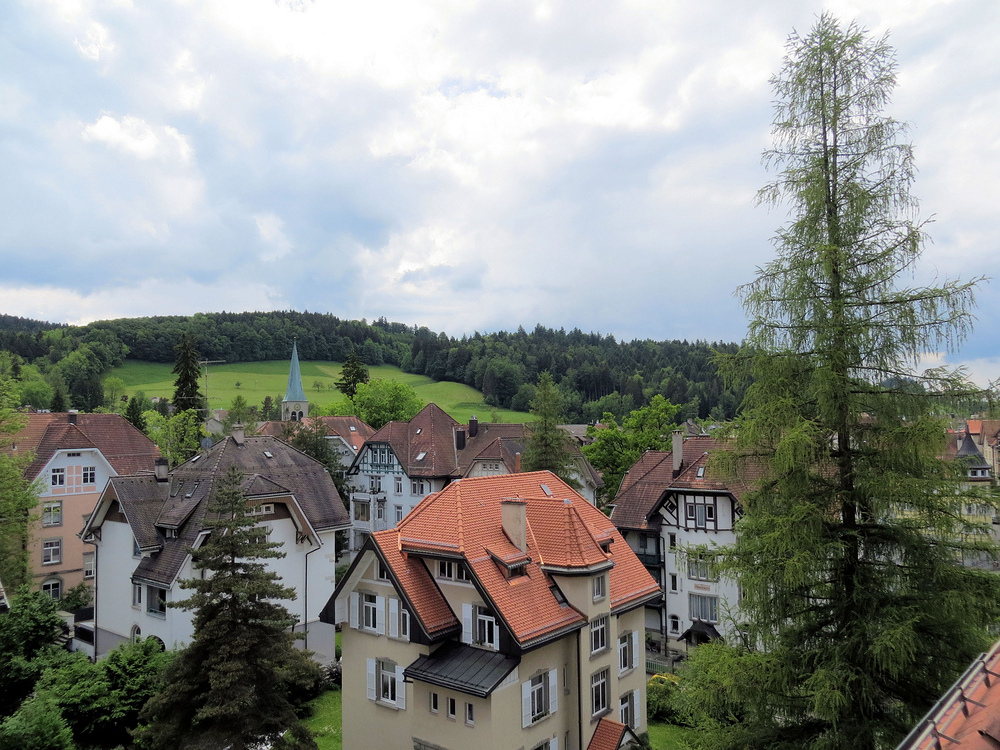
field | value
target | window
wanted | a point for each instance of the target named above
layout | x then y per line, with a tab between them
599	692
673	582
404	623
627	647
451	708
136	595
89	565
58	477
380	511
700	569
486	628
156	601
51	551
539	697
672	538
462	574
362	512
374	484
470	714
704	607
53	587
89	474
710	512
626	711
52	513
399	513
369	610
136	634
399	620
399	486
434	703
675	624
386	681
383	571
600	587
599	634
446	570
416	486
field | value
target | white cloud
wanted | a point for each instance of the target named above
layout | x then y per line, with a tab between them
271	229
135	136
96	42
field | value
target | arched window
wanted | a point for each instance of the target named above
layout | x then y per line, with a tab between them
136	634
53	587
675	624
158	641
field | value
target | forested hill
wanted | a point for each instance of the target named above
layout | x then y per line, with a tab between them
595	373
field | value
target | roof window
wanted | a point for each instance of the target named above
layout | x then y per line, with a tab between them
546	490
268	454
701	472
353	428
195	458
419	430
420	456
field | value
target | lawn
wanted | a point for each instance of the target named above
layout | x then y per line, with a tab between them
669	736
260	379
325	721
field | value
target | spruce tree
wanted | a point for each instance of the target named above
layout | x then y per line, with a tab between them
188	370
133	413
352	374
230	686
549	446
857	612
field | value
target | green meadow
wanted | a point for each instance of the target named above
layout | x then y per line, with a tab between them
259	379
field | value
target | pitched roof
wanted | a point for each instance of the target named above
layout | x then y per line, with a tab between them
971	454
353	430
564	531
294	391
608	735
270	468
470	670
127	449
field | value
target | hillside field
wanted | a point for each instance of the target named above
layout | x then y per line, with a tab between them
260	379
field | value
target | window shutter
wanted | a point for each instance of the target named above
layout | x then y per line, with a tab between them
371	679
636	698
525	704
400	688
354	610
466	623
394	617
553	691
380	615
554	743
340	610
635	649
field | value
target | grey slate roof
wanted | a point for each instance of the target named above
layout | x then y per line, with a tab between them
474	671
294	391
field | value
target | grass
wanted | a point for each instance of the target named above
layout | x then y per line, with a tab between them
326	720
669	736
260	379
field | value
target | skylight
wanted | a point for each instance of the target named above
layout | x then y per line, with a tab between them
353	428
268	454
546	490
420	456
701	472
419	430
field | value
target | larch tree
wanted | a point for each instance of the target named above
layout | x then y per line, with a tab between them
230	686
857	612
187	369
549	446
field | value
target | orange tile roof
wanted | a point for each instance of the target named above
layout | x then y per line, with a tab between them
463	521
968	716
607	735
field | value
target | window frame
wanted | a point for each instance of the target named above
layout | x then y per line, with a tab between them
433	702
599	692
599	587
47	513
598	635
52	551
49	584
626	659
89	565
385	676
470	715
137	597
156	605
369	611
451	707
90	471
57	473
539	697
366	507
703	600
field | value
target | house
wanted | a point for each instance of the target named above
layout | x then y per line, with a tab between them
404	462
74	456
346	434
144	525
673	511
502	612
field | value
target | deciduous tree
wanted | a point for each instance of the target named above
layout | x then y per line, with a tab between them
17	495
857	610
379	402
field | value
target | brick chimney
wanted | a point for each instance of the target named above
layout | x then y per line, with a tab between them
678	452
517	463
160	469
473	426
514	519
71	416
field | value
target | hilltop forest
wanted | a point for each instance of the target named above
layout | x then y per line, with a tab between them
595	373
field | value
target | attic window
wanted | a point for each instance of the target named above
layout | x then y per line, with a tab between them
267	454
420	456
195	458
701	472
558	595
73	453
353	428
419	430
170	533
605	546
546	490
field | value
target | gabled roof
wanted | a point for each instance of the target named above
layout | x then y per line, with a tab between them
610	735
294	391
122	445
351	429
271	469
564	532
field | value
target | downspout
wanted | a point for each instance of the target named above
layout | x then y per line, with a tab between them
305	593
96	579
579	685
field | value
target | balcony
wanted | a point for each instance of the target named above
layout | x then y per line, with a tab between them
369	497
650	559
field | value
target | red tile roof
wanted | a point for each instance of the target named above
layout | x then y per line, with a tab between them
463	521
339	426
608	735
122	445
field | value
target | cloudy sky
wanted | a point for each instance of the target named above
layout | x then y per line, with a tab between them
457	164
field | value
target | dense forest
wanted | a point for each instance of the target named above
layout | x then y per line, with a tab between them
595	373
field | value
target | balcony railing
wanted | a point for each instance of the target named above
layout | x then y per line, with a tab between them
650	559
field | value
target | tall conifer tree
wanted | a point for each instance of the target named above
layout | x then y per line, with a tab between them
188	370
549	445
229	687
858	610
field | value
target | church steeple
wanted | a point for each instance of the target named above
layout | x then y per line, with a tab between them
294	405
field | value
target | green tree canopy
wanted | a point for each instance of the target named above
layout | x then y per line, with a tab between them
18	496
27	644
549	446
133	413
352	374
379	402
857	610
229	687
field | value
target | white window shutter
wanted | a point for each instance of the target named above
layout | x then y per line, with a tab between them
340	611
400	688
525	704
354	610
371	679
553	690
636	708
380	615
394	617
635	649
466	623
554	743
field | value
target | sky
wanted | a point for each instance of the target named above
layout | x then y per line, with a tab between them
457	164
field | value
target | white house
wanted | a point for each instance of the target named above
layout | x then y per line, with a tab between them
144	525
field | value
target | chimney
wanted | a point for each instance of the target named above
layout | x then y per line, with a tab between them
238	435
514	519
460	438
517	463
473	426
678	452
160	469
71	416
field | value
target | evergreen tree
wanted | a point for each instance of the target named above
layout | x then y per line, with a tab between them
858	612
133	413
230	686
18	496
188	370
58	404
549	446
352	374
